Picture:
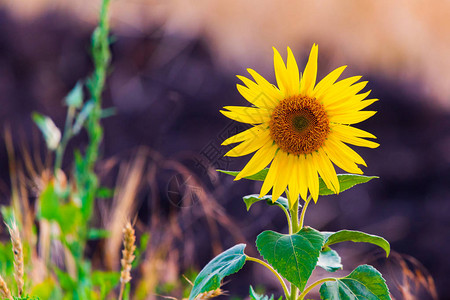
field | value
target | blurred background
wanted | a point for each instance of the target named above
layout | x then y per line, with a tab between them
174	66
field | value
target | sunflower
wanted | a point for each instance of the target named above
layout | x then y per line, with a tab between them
300	128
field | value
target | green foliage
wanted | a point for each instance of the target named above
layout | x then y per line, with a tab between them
260	176
251	199
51	133
346	181
293	256
75	96
329	260
356	236
365	282
226	263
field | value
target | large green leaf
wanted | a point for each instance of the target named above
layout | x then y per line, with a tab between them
226	263
293	256
346	181
364	283
52	134
329	260
355	236
260	176
251	199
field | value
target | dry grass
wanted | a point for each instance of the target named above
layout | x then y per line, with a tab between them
18	255
129	247
4	291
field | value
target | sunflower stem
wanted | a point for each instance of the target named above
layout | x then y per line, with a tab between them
302	215
283	284
309	288
295	228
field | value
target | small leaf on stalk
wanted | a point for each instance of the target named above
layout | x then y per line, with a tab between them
226	263
293	256
82	116
364	283
355	236
75	96
346	181
251	199
329	260
51	133
98	233
260	176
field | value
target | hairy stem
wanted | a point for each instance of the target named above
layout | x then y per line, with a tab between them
313	285
302	215
283	284
295	228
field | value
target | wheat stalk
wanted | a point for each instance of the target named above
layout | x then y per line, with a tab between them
129	240
18	255
4	291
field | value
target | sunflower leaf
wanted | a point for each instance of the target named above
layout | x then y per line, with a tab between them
260	176
329	260
346	181
365	282
226	263
293	256
251	199
355	236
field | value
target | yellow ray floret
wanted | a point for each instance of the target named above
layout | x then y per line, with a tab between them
300	127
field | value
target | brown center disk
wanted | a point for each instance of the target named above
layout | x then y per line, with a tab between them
299	125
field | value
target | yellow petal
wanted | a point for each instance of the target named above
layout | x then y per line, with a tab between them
273	94
309	75
336	89
255	94
340	132
269	181
313	179
250	145
293	74
281	73
259	161
351	118
346	95
282	176
294	188
349	130
302	172
328	81
341	160
250	115
326	170
246	134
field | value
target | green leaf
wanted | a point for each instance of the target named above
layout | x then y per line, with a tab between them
251	199
255	296
355	236
75	96
226	263
346	181
364	283
82	116
329	260
48	205
104	193
98	233
52	134
106	281
293	256
260	176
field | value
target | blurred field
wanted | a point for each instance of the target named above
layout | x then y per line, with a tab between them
173	68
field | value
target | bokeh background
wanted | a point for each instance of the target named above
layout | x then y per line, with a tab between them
173	69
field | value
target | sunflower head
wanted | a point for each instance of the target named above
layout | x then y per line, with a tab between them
300	128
